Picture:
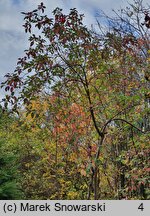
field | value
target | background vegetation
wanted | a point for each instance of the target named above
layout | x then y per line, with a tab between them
79	122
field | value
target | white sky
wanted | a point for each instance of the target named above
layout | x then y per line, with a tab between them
13	40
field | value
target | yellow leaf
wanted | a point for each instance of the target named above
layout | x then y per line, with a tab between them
83	172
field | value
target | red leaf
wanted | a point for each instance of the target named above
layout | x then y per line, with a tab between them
11	89
7	88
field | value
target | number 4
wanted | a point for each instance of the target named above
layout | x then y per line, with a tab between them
141	207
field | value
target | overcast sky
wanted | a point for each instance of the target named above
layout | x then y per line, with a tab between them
13	40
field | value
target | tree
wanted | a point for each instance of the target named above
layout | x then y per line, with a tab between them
128	37
101	77
9	186
59	60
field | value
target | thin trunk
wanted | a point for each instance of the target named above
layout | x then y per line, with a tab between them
90	189
95	184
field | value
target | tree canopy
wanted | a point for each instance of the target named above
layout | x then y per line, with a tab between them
83	104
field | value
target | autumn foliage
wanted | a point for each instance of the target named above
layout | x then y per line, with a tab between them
82	102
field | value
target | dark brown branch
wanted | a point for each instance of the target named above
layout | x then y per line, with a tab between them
123	120
86	87
133	126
